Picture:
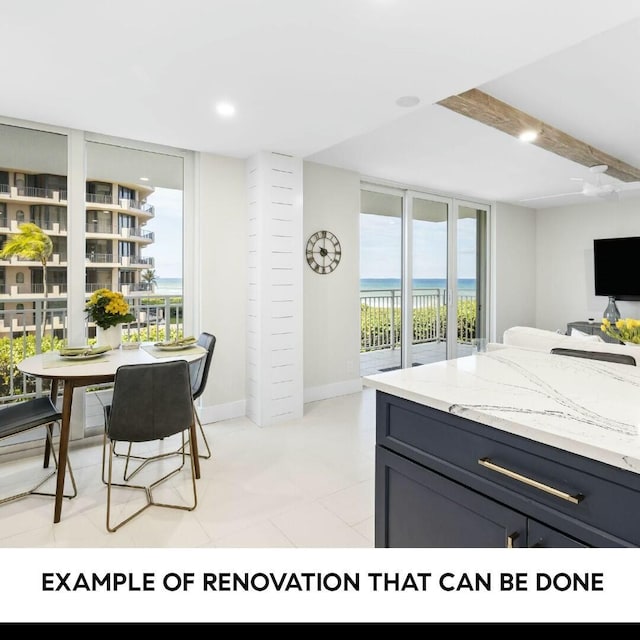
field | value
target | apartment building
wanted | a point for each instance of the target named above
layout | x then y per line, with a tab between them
116	244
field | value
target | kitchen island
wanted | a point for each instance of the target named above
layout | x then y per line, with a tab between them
510	448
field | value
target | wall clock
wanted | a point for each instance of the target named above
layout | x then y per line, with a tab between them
323	252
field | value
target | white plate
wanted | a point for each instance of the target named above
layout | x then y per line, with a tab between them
89	356
174	347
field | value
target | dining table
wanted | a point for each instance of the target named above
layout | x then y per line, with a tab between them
90	369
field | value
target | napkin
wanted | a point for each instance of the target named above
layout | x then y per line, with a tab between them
83	351
182	342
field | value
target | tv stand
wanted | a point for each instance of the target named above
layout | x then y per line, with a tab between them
592	328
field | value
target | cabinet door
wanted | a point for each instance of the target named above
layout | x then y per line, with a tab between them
539	535
418	508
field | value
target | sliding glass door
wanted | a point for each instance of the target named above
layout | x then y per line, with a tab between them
424	278
428	286
380	280
472	236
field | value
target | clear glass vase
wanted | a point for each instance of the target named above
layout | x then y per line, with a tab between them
611	313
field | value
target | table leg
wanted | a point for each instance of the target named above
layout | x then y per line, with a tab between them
65	429
47	444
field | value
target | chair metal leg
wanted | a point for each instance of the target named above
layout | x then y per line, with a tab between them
148	489
206	455
49	449
152	458
126	475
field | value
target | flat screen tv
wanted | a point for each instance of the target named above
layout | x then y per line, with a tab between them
615	262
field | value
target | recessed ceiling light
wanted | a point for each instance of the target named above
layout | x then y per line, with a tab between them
144	179
408	101
528	136
225	109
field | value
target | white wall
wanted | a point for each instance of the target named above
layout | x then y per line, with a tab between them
221	243
515	263
564	258
331	301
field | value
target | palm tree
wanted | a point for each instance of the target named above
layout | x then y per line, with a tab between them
149	276
32	243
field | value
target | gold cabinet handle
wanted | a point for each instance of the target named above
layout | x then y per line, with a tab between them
511	539
574	499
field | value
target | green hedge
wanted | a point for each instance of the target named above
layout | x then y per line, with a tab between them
375	324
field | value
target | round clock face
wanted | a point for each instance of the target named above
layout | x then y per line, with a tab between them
323	252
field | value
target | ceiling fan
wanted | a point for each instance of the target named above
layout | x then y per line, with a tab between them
596	188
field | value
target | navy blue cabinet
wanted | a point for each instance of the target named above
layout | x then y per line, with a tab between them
424	509
446	481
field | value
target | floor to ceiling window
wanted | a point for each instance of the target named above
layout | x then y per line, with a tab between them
424	277
426	289
134	231
381	277
134	215
33	190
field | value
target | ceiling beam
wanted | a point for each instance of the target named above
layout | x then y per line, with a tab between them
484	108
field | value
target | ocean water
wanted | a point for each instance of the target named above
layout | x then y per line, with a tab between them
173	286
466	286
169	286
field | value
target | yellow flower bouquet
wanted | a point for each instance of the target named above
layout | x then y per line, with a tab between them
625	329
108	308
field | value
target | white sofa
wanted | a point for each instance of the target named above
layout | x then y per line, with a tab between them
544	340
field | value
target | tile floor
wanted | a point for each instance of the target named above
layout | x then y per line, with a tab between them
305	483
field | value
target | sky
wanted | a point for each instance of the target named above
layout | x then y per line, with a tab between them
380	245
167	226
381	251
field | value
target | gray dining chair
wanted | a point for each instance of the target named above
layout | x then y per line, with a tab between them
150	402
22	416
199	375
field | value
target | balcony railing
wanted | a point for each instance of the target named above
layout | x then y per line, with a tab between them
100	258
97	227
49	225
90	287
37	288
136	286
5	188
140	260
99	198
381	312
138	205
23	333
138	232
34	192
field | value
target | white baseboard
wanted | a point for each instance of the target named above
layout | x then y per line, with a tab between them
346	387
238	409
217	412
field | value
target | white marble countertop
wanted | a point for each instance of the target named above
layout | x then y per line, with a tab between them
587	407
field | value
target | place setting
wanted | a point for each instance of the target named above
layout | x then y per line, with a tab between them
185	346
66	356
